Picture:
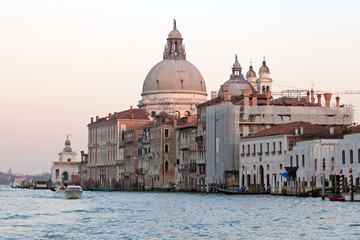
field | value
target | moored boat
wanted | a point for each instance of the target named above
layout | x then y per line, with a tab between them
97	189
73	192
238	191
336	197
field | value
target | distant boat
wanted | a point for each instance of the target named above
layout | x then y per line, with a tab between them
97	189
73	192
58	189
238	191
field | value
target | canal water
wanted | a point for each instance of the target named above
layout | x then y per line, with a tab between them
43	214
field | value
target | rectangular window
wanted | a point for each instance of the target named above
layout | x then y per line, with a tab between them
291	161
343	157
324	165
315	164
254	149
359	155
351	157
280	147
303	160
297	160
57	173
166	133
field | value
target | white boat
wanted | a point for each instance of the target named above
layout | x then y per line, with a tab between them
73	192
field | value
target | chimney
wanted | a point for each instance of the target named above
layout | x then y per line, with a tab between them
109	116
254	99
308	96
227	96
327	97
319	99
337	101
97	118
175	123
268	95
82	155
92	120
312	96
130	107
246	93
213	94
115	114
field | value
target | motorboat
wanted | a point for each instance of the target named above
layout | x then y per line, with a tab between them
336	197
73	192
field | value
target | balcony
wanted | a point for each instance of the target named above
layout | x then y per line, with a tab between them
119	162
139	171
184	147
185	166
200	161
243	154
259	153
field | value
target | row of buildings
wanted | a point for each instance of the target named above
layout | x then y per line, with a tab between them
241	137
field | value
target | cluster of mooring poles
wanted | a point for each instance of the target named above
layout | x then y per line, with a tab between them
341	185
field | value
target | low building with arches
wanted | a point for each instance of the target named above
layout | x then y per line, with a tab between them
65	170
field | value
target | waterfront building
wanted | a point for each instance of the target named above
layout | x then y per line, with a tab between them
328	156
186	173
239	111
174	85
83	169
66	169
104	138
265	155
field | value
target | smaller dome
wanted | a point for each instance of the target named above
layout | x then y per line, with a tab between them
251	73
174	34
264	68
67	142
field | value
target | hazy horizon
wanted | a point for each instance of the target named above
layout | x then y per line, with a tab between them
63	62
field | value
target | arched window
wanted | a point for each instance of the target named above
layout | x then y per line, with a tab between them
65	176
263	89
267	88
351	157
166	148
186	113
153	113
166	166
177	114
343	157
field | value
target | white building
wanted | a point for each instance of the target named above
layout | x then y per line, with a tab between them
66	169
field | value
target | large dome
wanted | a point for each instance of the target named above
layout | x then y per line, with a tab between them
174	76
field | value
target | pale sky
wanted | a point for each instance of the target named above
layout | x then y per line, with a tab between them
63	62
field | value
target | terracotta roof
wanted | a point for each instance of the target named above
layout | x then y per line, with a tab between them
309	129
192	124
66	163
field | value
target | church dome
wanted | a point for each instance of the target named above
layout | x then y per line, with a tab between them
264	68
174	75
174	34
236	87
250	73
236	83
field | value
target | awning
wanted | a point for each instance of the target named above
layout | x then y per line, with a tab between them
286	175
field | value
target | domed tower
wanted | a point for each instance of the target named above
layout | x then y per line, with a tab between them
236	84
251	76
264	81
174	85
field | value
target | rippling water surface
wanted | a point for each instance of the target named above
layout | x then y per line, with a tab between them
43	214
